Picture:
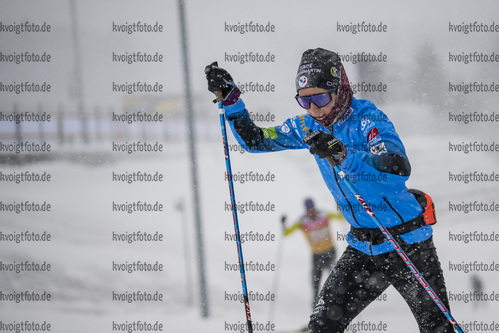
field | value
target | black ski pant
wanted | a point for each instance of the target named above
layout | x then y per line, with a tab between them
358	279
321	261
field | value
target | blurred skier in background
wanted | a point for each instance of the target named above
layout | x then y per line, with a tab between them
477	287
315	225
362	141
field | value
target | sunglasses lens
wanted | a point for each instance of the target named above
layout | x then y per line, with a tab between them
321	99
304	102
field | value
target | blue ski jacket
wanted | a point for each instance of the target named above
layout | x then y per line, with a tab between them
366	133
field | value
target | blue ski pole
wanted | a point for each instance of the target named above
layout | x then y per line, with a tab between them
397	247
234	213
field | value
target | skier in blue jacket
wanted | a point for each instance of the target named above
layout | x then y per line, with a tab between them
363	142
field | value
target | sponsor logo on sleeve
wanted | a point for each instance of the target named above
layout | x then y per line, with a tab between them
285	129
366	125
269	133
372	134
379	149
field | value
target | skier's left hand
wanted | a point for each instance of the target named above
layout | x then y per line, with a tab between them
324	145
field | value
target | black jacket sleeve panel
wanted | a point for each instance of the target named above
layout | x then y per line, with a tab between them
251	134
391	163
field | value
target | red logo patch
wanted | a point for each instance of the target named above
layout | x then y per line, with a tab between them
372	134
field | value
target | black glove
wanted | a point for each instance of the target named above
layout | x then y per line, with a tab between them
219	80
283	222
324	145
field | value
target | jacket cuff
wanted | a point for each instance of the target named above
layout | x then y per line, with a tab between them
234	111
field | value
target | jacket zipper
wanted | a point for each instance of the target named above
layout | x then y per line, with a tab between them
389	204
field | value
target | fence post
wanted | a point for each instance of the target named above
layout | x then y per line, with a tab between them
60	124
19	136
98	127
39	111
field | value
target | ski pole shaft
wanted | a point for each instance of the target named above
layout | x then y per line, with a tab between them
397	247
234	215
275	279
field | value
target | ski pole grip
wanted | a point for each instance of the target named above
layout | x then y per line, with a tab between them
331	161
218	94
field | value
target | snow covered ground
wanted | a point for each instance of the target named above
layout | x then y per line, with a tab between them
82	251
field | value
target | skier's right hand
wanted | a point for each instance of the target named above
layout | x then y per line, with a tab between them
324	145
220	83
